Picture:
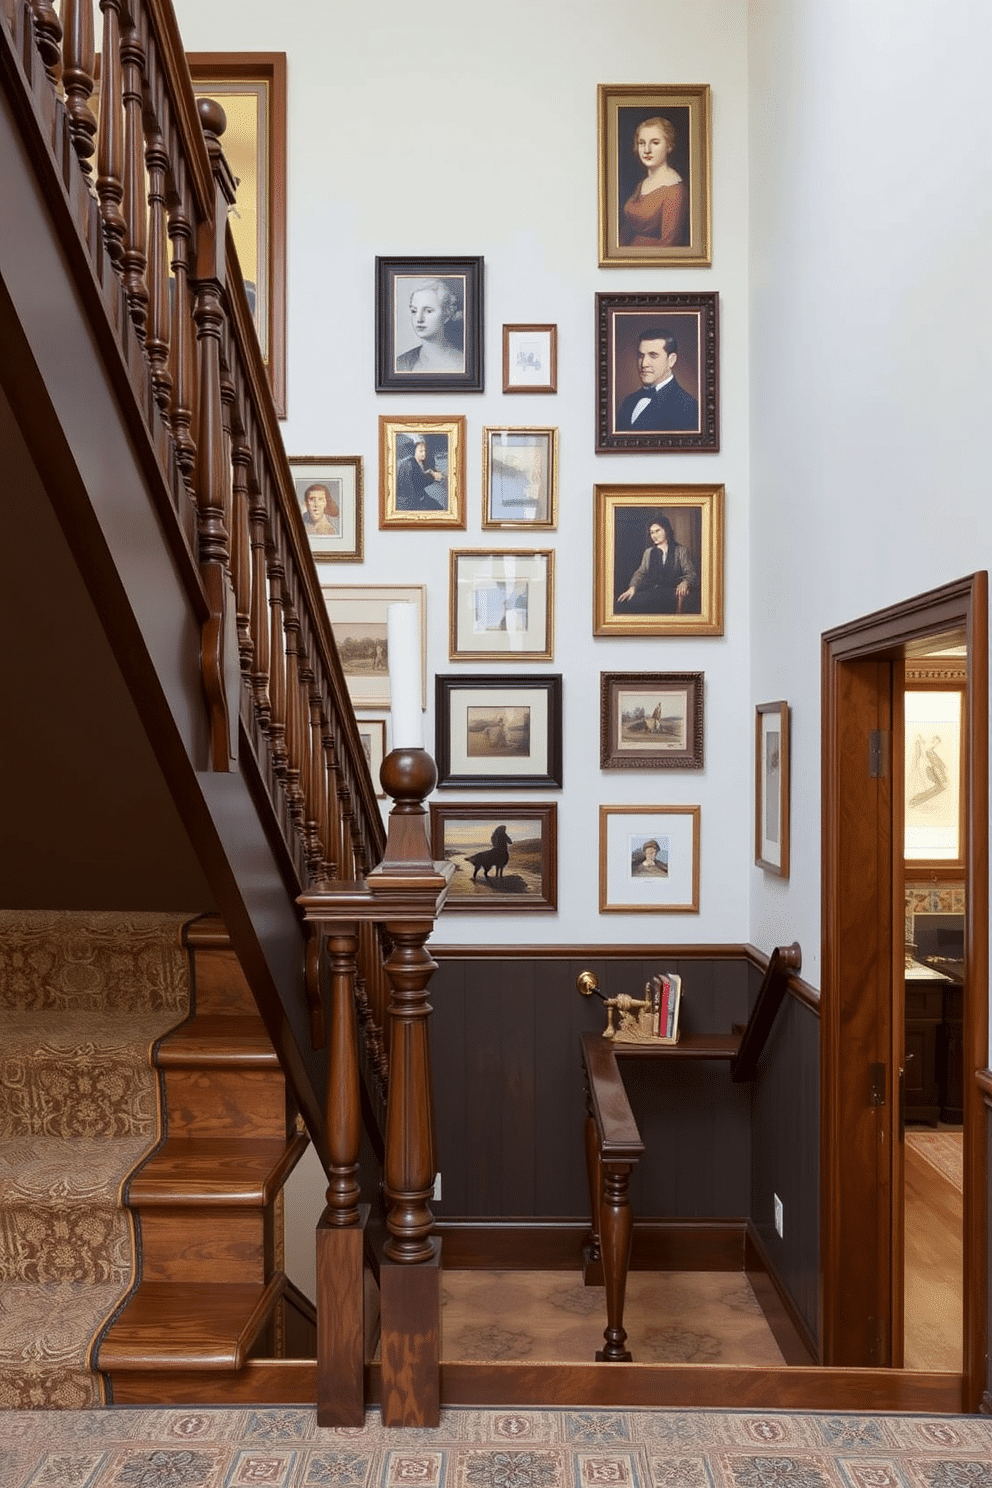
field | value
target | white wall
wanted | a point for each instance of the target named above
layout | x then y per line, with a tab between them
439	128
870	324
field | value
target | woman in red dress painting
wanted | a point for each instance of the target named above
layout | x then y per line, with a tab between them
654	216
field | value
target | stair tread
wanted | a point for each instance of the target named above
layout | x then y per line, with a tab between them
218	1039
189	1325
218	1170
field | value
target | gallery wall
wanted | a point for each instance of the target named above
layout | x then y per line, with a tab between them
438	129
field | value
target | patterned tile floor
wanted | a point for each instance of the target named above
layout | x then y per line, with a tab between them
493	1449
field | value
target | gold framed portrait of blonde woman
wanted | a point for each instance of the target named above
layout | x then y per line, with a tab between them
654	175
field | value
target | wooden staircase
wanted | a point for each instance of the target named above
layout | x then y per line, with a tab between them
208	1206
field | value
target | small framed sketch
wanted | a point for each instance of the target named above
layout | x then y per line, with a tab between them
656	375
329	491
501	605
428	325
651	721
934	801
658	560
358	619
372	737
530	359
520	477
771	788
421	472
649	859
505	856
497	733
654	176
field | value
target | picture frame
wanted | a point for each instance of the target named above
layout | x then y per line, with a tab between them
663	341
501	605
631	595
655	134
934	780
633	879
498	733
335	524
530	358
651	721
505	855
519	477
429	325
357	613
372	736
421	472
771	788
251	89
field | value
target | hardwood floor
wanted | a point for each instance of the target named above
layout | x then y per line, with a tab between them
933	1294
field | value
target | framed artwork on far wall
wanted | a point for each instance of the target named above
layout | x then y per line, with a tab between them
771	788
505	856
429	325
498	733
422	472
530	359
658	560
519	478
934	780
657	373
654	176
251	89
358	616
649	859
372	736
329	491
501	605
651	721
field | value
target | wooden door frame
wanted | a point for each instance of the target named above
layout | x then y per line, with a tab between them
883	638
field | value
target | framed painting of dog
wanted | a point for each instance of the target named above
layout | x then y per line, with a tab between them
505	856
498	733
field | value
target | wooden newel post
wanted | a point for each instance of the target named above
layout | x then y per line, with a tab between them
409	889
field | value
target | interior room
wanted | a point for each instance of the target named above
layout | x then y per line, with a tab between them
770	788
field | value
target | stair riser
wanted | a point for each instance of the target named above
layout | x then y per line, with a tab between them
213	1245
226	1103
220	986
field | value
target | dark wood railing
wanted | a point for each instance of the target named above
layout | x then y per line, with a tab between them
148	192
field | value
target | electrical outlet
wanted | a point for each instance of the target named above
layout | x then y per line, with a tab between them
779	1215
436	1195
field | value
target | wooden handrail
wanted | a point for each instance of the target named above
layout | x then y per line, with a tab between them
784	960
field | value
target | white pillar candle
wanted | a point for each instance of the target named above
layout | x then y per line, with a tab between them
403	639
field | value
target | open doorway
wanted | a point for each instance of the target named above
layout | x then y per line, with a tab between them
863	1035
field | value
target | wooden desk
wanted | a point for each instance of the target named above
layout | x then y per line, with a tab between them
613	1147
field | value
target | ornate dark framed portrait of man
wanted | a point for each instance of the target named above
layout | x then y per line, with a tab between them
658	567
429	325
657	373
654	176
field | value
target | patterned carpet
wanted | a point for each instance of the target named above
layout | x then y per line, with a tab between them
83	999
943	1150
493	1449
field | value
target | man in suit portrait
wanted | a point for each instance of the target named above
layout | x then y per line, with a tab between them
661	403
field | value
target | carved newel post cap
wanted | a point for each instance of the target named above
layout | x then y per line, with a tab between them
212	116
408	775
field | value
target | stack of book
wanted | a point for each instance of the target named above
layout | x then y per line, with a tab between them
666	995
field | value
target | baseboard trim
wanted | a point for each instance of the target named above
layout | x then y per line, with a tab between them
658	1245
789	1328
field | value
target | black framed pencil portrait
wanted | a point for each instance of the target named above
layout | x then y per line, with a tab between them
429	325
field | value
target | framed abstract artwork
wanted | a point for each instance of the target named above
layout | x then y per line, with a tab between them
519	478
501	605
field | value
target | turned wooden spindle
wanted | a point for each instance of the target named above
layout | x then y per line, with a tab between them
78	67
110	134
48	35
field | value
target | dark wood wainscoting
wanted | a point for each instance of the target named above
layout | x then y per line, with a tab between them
510	1105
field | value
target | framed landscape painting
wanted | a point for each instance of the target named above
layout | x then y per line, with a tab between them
651	721
498	733
358	619
505	856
